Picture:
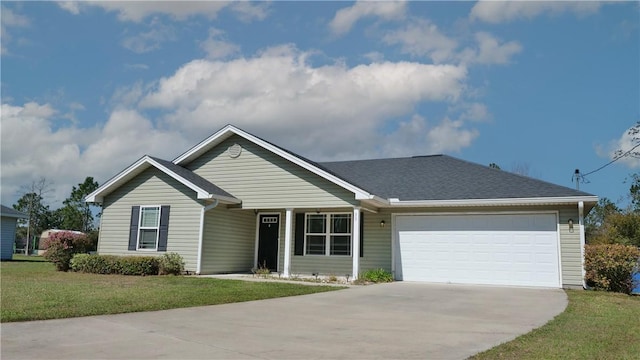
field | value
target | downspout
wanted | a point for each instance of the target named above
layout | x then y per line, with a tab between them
582	240
202	211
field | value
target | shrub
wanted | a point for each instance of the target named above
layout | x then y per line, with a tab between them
138	265
61	246
376	276
110	264
610	267
171	264
95	264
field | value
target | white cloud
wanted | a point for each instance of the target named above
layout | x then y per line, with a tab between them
70	6
150	40
247	11
626	142
277	93
422	38
137	11
35	145
10	19
418	137
490	50
475	112
347	17
217	47
506	11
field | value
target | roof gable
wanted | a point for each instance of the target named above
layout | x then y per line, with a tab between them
309	165
203	188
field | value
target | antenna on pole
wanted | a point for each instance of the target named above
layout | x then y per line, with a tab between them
576	175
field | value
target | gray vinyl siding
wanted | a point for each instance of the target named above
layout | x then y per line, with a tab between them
229	241
152	187
263	180
377	242
8	235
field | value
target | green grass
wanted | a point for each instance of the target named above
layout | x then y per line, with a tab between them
33	290
595	325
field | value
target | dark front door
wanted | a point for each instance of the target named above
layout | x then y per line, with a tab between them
268	241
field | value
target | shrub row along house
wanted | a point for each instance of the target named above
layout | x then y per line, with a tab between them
235	202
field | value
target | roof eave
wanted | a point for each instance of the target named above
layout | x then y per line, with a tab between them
538	201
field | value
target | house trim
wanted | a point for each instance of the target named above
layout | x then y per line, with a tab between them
143	164
568	200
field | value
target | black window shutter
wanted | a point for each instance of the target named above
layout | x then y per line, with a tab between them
133	229
164	228
361	234
299	246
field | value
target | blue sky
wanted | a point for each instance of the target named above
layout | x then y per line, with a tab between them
89	87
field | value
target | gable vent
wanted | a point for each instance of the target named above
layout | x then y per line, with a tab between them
234	151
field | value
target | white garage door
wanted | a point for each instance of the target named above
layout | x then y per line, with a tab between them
494	249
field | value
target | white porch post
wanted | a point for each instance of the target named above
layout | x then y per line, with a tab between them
288	229
356	243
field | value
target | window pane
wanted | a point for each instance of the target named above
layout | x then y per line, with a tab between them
315	245
148	238
341	224
149	217
316	224
340	245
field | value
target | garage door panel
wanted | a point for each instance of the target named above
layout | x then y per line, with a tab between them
505	249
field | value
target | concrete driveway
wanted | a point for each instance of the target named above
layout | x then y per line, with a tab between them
392	321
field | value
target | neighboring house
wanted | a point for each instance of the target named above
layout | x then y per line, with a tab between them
9	218
45	235
235	202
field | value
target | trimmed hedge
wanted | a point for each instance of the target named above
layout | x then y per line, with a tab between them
610	267
110	264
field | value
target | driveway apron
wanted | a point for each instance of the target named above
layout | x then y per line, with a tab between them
400	320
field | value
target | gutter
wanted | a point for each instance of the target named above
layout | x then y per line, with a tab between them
493	202
202	211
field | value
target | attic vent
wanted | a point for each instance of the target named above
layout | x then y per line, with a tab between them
234	151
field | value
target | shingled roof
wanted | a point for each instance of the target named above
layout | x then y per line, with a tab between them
9	212
442	177
193	178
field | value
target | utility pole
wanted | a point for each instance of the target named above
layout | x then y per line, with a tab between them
576	176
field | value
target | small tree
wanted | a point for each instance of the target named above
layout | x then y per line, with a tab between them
61	246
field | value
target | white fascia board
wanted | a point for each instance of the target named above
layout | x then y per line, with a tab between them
230	129
122	177
494	202
206	144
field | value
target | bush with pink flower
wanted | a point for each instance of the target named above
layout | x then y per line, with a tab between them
62	245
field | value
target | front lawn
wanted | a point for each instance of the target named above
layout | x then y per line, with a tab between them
595	325
32	290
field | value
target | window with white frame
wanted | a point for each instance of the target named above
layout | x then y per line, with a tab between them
328	234
148	227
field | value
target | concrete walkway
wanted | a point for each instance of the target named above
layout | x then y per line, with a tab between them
392	321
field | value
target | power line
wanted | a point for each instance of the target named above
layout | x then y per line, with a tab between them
612	161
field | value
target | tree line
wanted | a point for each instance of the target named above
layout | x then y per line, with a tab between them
75	213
